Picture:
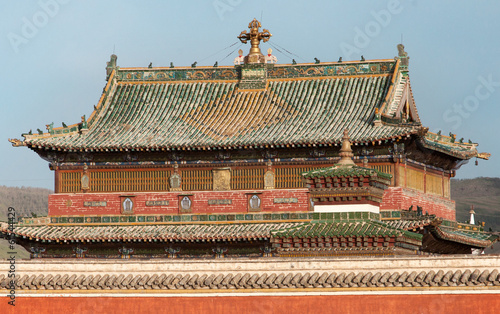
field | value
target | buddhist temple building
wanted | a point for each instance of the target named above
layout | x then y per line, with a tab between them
258	182
246	160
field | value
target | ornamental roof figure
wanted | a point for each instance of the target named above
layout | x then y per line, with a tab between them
254	56
346	151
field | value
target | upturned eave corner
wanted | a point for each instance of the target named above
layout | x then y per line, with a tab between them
485	156
16	142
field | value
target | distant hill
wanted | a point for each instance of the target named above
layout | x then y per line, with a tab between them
484	194
25	201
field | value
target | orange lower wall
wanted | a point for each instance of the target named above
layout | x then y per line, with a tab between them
430	303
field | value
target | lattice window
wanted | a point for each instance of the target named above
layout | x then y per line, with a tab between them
197	180
69	182
129	181
116	181
247	179
291	178
383	168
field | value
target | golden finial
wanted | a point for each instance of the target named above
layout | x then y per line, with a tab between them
254	56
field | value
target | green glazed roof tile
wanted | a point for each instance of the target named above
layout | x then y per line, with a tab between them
342	171
200	114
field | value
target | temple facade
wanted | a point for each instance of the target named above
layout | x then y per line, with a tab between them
250	160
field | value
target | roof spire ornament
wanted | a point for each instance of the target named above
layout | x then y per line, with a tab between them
472	212
254	56
346	151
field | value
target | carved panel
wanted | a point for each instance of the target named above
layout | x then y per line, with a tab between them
269	180
175	182
185	204
221	179
254	203
85	182
127	205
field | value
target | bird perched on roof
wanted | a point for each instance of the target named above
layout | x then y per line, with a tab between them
316	60
171	64
216	64
150	65
30	132
294	62
64	125
194	64
340	59
362	58
39	131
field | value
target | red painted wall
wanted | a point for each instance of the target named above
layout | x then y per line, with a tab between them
394	198
403	198
72	204
433	303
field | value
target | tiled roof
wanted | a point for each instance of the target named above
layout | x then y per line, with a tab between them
208	232
473	278
478	239
412	277
411	224
448	145
473	238
306	106
340	171
349	229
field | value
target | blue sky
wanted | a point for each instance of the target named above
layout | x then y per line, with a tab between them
54	53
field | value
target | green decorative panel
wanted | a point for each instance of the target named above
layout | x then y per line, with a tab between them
385	214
